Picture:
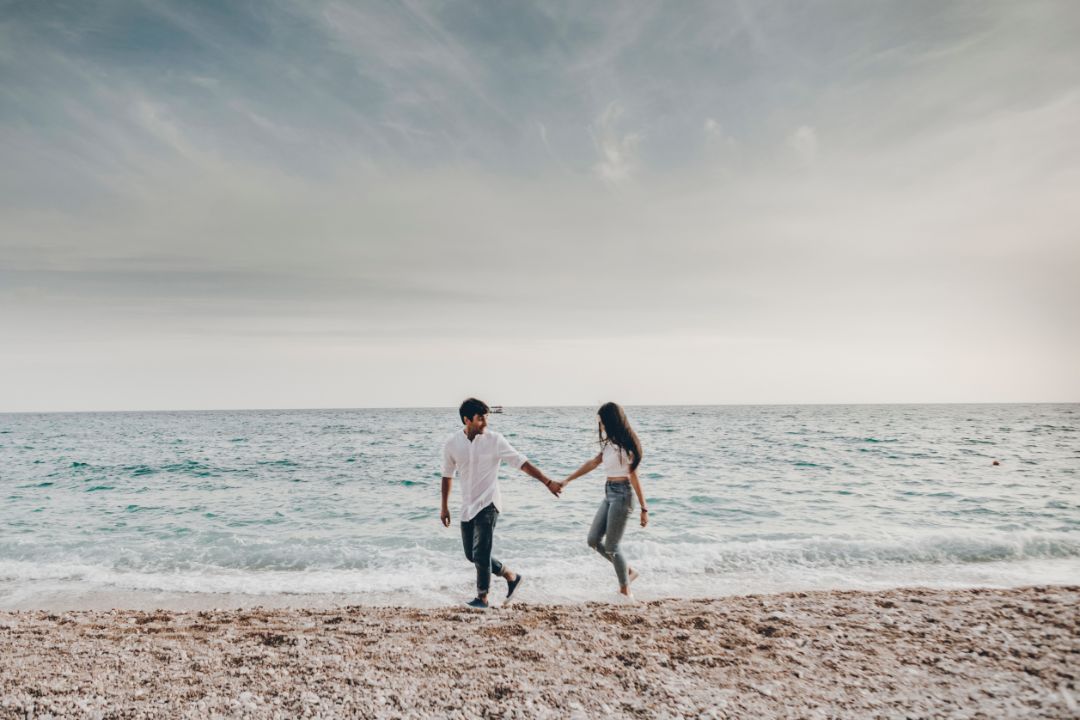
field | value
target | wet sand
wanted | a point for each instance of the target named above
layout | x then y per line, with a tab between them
915	653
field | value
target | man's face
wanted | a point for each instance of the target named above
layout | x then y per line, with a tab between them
476	425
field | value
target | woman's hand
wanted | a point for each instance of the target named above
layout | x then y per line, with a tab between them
644	518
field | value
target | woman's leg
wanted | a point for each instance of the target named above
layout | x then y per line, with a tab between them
599	525
618	513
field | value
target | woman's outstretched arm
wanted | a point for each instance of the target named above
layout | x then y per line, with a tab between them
588	467
641	498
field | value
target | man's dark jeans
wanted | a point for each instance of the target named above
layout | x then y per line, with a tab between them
477	536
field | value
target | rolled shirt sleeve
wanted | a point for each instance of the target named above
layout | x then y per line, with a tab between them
508	454
448	464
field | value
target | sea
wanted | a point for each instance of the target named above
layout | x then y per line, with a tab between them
192	510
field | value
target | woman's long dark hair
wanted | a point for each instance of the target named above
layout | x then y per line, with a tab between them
617	428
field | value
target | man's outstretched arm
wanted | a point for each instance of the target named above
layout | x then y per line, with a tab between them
532	471
444	513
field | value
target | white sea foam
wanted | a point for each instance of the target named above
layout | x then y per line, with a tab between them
422	577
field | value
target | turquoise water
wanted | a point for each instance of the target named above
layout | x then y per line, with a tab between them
328	506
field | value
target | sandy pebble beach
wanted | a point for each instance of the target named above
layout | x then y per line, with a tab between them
908	653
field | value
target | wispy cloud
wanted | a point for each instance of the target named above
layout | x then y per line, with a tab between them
618	150
804	142
721	147
379	170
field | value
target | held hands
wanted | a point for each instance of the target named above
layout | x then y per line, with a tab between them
553	487
561	484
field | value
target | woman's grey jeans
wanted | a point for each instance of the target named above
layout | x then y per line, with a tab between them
609	524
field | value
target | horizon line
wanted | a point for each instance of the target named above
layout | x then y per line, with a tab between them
537	407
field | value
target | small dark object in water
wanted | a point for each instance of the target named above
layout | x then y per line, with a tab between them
995	463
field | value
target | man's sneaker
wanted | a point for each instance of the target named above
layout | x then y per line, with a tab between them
511	586
477	604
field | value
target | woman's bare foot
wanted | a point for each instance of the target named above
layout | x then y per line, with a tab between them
632	575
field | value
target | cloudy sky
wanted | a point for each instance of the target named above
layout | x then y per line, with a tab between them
333	204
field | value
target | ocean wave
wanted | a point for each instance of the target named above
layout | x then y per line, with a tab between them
825	553
85	576
383	570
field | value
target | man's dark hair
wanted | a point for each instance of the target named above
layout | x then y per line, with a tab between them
472	407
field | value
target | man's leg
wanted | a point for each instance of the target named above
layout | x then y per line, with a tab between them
483	540
467	538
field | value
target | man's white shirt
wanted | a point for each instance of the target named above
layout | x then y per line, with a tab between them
477	466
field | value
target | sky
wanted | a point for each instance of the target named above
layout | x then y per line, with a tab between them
316	203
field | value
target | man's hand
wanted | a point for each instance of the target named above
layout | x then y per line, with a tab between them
554	487
444	514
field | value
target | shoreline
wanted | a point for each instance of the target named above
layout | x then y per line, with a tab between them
69	600
983	652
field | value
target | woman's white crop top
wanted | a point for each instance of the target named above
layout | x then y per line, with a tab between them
616	461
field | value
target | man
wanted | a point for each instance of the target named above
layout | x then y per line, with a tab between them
475	454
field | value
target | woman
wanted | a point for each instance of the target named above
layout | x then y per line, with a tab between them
620	454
